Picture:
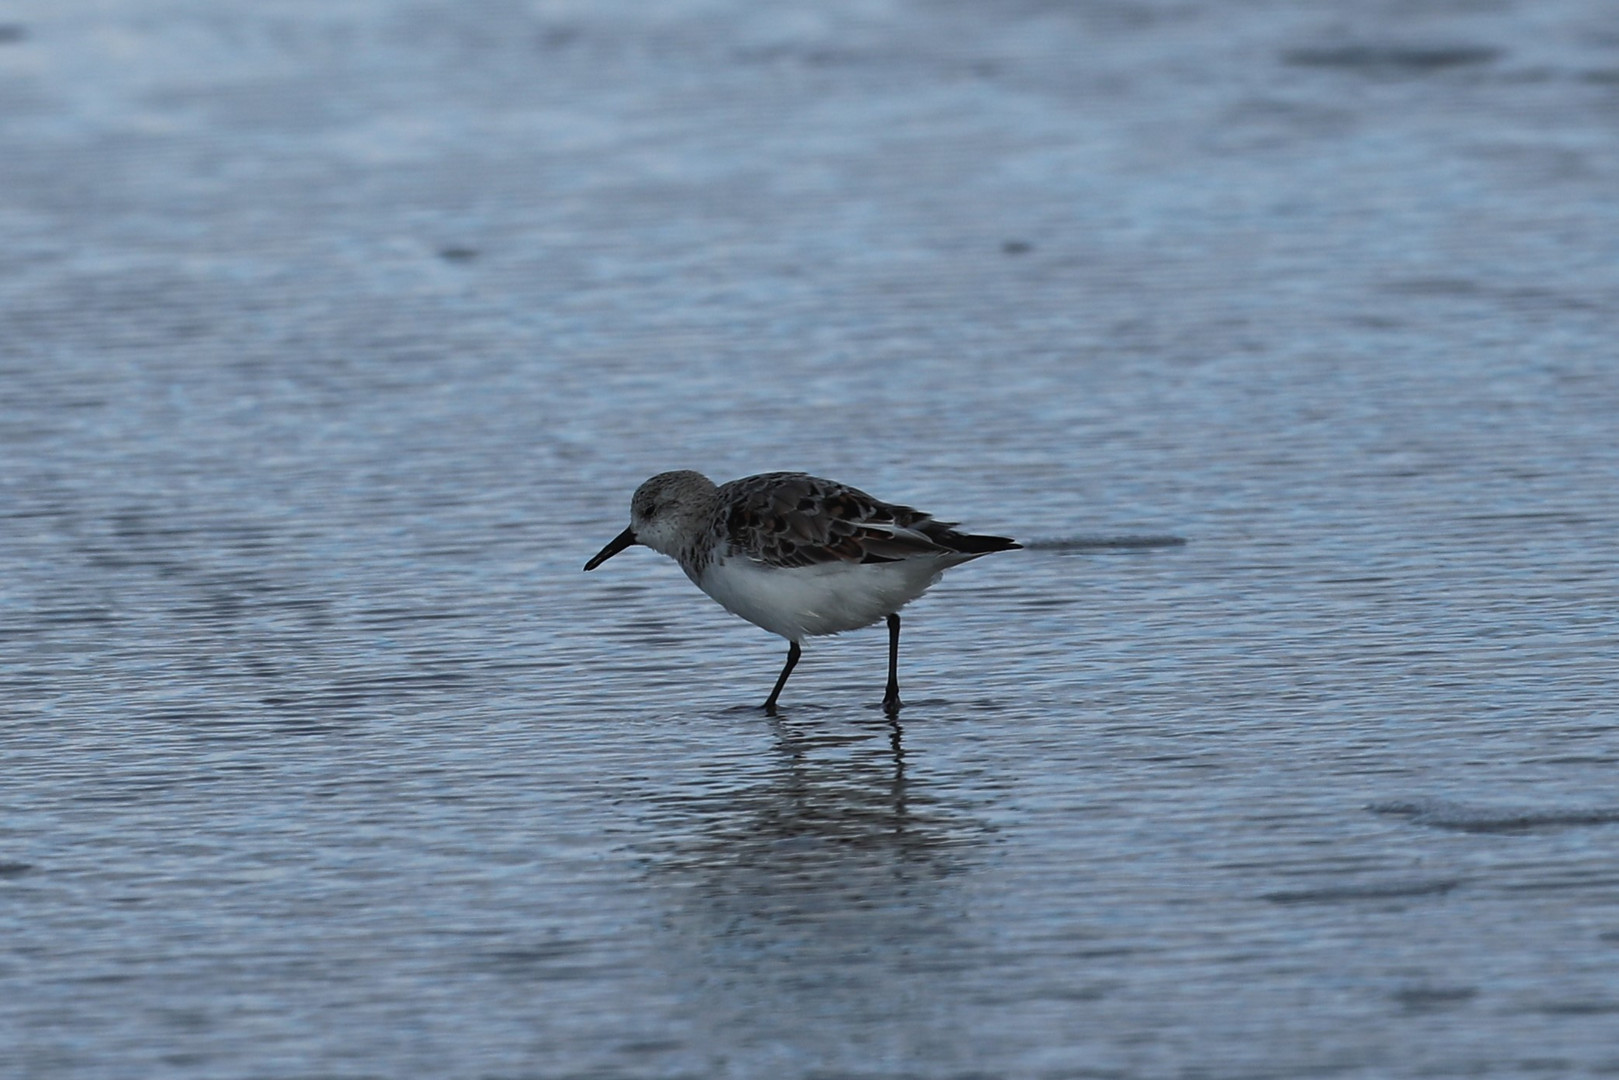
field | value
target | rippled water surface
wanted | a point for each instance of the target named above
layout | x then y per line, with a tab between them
334	337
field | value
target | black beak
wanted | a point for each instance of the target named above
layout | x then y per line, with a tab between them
614	546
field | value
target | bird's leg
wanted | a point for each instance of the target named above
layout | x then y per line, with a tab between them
793	652
891	701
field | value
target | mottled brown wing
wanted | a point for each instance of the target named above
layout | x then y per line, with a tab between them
792	519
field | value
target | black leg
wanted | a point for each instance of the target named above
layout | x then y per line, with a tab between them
793	652
891	701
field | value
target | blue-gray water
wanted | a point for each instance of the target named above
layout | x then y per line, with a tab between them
335	335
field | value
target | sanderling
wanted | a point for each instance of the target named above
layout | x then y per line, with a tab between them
797	555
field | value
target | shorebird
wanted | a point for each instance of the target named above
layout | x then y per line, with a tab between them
797	555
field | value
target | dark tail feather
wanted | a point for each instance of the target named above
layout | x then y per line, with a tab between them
969	544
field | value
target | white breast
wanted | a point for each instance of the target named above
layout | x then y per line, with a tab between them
827	598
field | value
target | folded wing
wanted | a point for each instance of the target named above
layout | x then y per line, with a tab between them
793	519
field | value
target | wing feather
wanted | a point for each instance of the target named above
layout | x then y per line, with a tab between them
793	519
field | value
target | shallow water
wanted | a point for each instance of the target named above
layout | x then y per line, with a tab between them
334	338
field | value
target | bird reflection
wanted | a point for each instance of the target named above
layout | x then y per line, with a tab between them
836	868
868	806
836	790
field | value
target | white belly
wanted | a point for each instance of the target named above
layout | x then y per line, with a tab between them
824	599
